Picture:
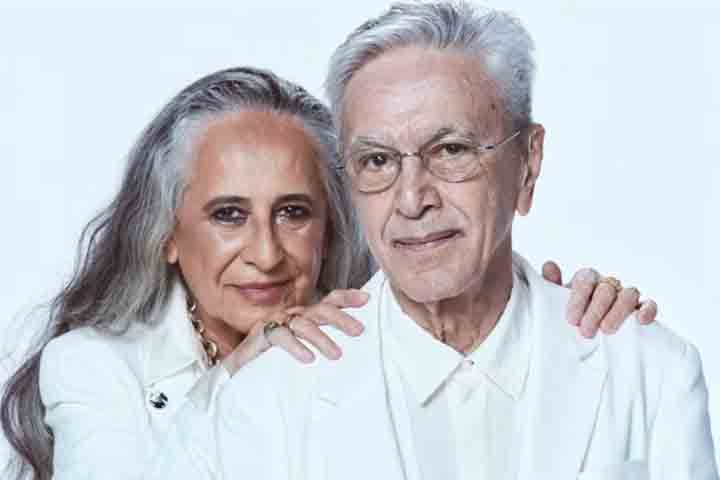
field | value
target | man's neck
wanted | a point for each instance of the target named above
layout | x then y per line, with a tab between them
465	321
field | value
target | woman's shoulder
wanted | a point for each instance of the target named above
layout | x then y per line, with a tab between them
91	342
85	355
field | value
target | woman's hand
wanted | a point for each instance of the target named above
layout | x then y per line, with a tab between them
596	304
301	323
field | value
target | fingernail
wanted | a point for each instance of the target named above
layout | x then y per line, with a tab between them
586	276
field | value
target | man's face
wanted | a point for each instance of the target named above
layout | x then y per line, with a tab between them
435	239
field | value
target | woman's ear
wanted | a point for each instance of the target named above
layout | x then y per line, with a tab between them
171	251
533	165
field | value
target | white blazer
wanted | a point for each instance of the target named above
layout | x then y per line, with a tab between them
628	406
110	399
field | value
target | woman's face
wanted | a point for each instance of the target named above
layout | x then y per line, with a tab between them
250	231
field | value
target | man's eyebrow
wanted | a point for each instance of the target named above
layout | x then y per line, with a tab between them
367	141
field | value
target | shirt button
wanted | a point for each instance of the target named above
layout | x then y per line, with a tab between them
467	364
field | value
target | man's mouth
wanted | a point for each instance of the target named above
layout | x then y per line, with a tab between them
425	242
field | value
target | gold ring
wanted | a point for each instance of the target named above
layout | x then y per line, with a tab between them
289	320
613	282
269	327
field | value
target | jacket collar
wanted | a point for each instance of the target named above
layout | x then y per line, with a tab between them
359	371
565	385
172	344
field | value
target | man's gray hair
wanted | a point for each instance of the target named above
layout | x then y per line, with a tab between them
497	38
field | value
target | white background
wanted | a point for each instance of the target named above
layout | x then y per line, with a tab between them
630	98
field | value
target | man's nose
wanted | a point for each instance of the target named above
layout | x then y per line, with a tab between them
415	191
265	250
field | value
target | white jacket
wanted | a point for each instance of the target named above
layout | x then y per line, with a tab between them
628	406
110	399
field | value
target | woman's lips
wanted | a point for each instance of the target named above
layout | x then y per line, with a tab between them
264	293
426	242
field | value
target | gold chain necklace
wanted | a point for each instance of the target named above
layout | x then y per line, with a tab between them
209	346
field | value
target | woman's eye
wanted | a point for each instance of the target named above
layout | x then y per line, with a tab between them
232	215
293	214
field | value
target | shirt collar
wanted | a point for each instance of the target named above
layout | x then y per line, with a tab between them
504	356
172	344
427	364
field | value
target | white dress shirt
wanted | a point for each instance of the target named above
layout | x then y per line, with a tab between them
465	412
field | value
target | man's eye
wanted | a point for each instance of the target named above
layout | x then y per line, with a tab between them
374	161
451	149
230	214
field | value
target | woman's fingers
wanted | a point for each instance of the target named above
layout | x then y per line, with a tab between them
624	306
602	300
250	348
328	311
582	287
284	338
303	324
647	312
308	330
551	272
346	298
260	338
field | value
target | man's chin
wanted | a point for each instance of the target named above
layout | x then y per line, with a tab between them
427	287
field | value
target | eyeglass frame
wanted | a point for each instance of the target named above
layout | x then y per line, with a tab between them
398	156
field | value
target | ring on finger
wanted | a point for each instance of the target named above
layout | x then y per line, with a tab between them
288	323
269	328
613	282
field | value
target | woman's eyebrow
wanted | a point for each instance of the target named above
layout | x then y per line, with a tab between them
215	202
294	197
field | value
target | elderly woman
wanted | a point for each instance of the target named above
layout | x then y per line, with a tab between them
231	220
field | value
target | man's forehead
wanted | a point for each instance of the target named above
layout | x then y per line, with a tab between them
418	91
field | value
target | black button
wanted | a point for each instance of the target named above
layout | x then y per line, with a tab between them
158	400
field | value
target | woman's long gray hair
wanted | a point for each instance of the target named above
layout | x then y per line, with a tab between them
121	274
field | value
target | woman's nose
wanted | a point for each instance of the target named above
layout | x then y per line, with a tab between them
264	251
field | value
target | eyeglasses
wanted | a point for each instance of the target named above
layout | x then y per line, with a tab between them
376	168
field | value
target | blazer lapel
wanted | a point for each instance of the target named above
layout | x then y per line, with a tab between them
565	387
352	427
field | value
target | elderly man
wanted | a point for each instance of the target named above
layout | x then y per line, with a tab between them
467	368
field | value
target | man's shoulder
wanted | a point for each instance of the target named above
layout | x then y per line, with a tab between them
653	346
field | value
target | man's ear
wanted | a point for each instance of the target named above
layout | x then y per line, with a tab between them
533	165
171	251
